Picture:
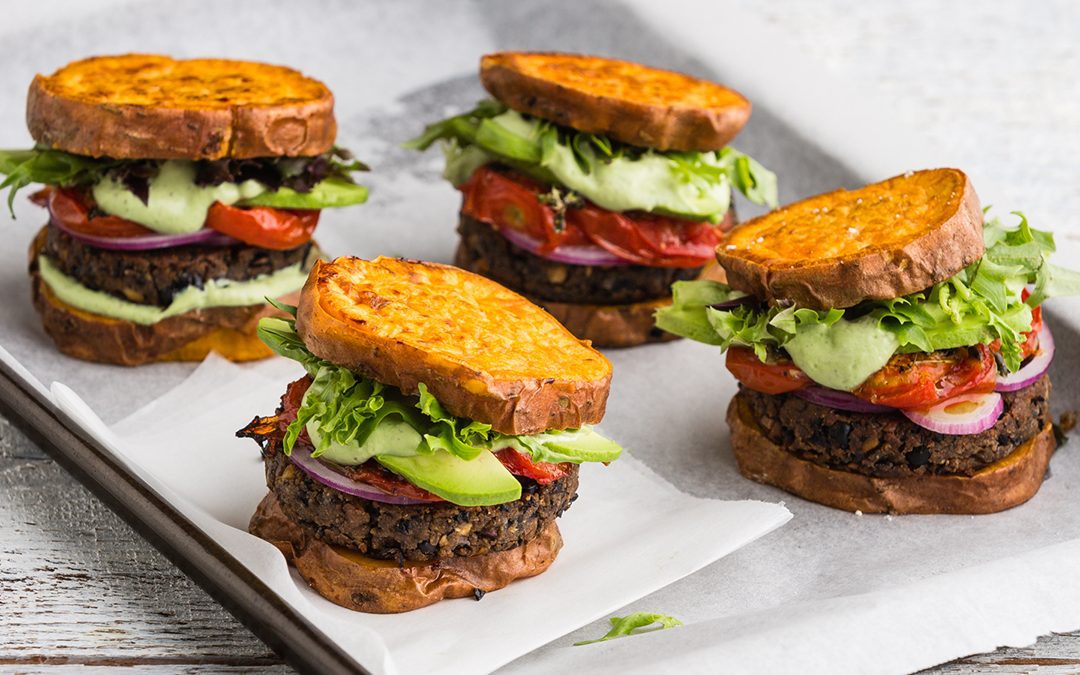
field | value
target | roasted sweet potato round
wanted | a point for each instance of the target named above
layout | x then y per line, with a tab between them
627	102
384	587
142	106
879	242
485	352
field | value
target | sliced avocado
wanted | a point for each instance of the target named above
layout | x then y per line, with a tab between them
585	446
478	482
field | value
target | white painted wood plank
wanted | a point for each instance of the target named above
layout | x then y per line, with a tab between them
78	584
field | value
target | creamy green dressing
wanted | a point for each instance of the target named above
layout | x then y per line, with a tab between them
214	293
175	204
390	437
647	183
843	355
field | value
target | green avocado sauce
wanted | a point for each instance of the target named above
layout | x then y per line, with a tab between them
645	183
175	204
843	355
214	293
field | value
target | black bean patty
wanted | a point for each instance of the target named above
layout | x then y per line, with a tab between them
154	277
422	532
489	253
889	445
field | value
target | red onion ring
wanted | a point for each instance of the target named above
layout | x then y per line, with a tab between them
572	255
1035	368
732	304
322	473
205	237
985	413
841	400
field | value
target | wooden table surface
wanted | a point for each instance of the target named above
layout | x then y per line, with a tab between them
992	84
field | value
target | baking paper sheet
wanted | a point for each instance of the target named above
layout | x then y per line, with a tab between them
829	591
629	533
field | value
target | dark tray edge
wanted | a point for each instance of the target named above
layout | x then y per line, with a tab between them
202	559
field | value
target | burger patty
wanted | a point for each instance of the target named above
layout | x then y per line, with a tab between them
485	251
155	277
889	445
421	532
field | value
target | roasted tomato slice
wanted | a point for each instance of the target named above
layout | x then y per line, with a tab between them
508	200
372	473
778	375
262	226
1031	338
523	465
502	200
648	239
919	380
71	210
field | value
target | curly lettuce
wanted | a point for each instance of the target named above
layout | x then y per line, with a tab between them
982	303
323	181
610	174
346	409
635	624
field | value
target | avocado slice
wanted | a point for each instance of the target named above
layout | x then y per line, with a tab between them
585	446
478	482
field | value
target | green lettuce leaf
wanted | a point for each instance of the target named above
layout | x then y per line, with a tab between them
346	408
491	133
50	167
56	167
635	624
983	303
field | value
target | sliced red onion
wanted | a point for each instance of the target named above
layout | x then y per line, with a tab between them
205	237
332	479
960	415
1035	368
732	304
841	400
572	255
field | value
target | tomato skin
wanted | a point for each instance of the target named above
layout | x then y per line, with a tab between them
648	239
71	210
919	380
497	199
522	465
1031	338
778	376
262	226
507	200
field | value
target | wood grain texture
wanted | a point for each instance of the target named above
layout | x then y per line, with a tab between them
78	587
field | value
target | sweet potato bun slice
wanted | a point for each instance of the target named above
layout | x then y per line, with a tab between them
143	106
1006	483
484	352
631	103
364	584
879	242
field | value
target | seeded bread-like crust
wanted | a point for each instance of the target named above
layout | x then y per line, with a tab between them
879	242
485	352
1006	483
628	102
144	106
363	584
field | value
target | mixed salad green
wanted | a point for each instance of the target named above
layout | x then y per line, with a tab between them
612	175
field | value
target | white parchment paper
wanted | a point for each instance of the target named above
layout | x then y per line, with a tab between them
629	533
830	591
